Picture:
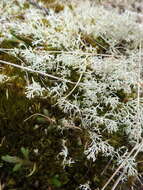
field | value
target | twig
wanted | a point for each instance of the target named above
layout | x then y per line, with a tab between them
138	90
74	87
38	114
35	4
118	180
121	165
106	167
38	72
122	174
73	127
74	53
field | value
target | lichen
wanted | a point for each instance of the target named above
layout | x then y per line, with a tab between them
71	95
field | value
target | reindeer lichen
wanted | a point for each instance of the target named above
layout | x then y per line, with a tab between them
71	94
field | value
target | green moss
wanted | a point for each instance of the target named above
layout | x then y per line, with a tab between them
36	125
44	137
16	134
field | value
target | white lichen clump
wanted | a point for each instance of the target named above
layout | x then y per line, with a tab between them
3	78
85	186
34	89
103	90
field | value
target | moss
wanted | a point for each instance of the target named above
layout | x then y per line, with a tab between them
44	137
9	43
53	4
37	124
99	43
16	134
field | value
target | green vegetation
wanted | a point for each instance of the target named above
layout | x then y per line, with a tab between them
71	113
